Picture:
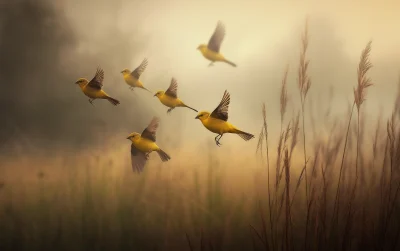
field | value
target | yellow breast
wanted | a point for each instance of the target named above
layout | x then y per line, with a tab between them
217	125
145	145
130	80
169	101
212	55
93	93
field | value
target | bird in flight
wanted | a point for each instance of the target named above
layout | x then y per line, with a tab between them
211	50
143	144
217	121
133	78
93	88
170	98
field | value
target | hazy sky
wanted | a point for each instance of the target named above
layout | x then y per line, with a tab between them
46	45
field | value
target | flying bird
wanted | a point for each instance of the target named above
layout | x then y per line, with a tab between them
133	78
217	121
170	98
211	50
143	144
93	88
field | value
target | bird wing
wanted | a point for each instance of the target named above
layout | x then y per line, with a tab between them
221	112
151	129
217	37
138	159
140	69
97	80
172	90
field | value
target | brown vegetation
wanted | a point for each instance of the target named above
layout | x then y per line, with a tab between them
344	195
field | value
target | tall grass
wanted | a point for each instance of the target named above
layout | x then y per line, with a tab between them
91	200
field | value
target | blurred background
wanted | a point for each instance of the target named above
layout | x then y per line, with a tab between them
57	148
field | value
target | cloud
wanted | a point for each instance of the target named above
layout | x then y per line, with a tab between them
41	58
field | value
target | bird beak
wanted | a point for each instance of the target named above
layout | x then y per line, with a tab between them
197	117
155	95
128	137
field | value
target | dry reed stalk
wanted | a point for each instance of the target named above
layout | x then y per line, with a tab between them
295	133
284	96
359	97
189	243
264	136
375	150
264	228
286	135
283	107
268	167
392	149
360	92
287	182
259	237
278	160
304	83
252	239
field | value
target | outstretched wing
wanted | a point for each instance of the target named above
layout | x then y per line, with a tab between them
138	159
140	69
172	90
151	129
221	112
97	80
217	37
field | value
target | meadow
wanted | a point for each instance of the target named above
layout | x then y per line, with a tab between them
332	186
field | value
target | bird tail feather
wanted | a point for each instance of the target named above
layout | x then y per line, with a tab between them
244	135
230	62
163	155
113	100
144	88
190	108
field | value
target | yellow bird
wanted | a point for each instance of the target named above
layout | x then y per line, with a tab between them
170	98
143	144
217	121
93	88
133	78
211	50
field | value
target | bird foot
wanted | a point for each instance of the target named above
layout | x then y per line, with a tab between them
147	156
169	111
217	138
211	64
91	101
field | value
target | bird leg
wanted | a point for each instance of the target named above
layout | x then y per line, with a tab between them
147	156
211	64
130	87
169	110
91	101
217	140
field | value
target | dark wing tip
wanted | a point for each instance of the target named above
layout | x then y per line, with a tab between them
226	98
145	62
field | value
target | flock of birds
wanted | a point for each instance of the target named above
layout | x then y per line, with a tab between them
145	143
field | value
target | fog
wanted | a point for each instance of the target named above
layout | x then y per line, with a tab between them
46	45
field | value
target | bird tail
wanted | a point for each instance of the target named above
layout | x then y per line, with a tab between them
163	155
112	100
244	135
144	88
190	108
230	62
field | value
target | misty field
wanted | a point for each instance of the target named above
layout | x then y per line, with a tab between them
332	186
